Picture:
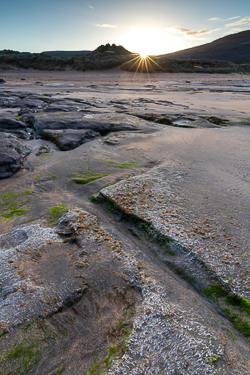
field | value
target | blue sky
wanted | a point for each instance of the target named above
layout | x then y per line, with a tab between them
153	27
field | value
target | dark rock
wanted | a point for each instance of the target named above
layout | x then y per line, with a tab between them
24	111
179	120
2	80
14	238
12	154
46	98
8	101
63	106
19	133
217	120
69	139
30	103
9	122
44	149
23	79
21	101
29	119
102	123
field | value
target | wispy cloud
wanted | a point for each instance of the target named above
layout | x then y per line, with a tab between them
236	30
220	19
243	21
232	18
90	6
190	33
106	25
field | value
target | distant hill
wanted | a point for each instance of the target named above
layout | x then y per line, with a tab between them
104	57
66	53
108	49
112	56
235	48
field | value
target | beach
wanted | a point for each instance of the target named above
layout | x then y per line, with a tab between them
172	153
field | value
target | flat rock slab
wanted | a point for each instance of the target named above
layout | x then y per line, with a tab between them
69	139
12	154
64	106
179	120
151	198
102	123
16	101
75	285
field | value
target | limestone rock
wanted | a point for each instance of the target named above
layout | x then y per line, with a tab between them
78	282
12	154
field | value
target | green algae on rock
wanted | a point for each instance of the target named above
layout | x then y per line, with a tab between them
14	204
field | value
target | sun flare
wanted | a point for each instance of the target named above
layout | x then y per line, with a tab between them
149	41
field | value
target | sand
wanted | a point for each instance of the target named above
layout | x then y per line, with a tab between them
199	92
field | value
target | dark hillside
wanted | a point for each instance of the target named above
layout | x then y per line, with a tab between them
235	48
66	53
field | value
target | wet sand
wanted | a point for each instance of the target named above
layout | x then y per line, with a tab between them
218	94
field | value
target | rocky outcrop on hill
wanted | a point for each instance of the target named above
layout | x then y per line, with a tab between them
12	154
106	57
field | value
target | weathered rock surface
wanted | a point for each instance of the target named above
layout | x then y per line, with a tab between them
149	197
84	303
75	281
102	123
179	120
69	139
22	101
44	149
63	106
12	154
30	103
201	248
10	124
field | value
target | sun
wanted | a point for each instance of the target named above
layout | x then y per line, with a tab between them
143	55
148	41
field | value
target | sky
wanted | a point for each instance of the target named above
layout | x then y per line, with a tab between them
142	26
